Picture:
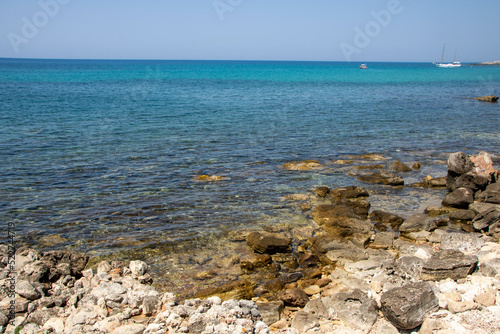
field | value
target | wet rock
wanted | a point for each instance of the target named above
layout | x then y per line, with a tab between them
349	192
270	311
304	321
459	198
387	219
490	98
303	165
448	264
417	222
398	166
354	308
269	243
359	206
322	191
241	289
439	182
294	297
383	178
406	307
210	178
490	195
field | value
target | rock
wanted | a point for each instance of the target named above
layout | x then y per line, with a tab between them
210	178
467	243
459	198
416	166
55	324
304	321
138	268
383	178
349	192
103	267
470	181
462	216
303	165
398	166
486	298
383	240
439	182
483	164
488	220
75	261
311	290
150	305
459	163
294	297
360	207
352	253
328	213
490	268
355	309
270	311
106	289
490	98
407	306
387	219
26	290
130	329
448	264
35	272
240	289
269	243
322	191
408	268
417	222
490	195
317	308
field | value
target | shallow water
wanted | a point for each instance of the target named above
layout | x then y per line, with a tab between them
103	156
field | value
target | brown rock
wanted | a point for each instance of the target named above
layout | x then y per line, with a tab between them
294	297
269	243
398	166
490	98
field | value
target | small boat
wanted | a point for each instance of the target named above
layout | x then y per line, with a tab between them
363	66
448	65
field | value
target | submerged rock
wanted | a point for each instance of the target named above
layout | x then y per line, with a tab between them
269	243
383	178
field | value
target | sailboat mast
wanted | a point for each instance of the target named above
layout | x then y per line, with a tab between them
442	56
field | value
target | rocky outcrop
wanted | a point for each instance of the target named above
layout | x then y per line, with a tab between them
489	98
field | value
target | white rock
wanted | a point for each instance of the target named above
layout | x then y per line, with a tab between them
55	325
138	268
130	329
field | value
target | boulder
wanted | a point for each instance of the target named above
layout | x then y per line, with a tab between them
26	290
387	219
269	243
459	163
488	98
406	307
462	216
449	263
483	164
487	220
471	180
398	166
459	198
416	223
354	308
304	321
490	195
383	178
467	243
294	297
349	192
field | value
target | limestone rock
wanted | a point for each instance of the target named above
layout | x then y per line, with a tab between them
304	321
349	192
488	220
294	297
26	290
138	268
459	198
270	311
383	178
417	222
269	243
489	98
490	195
459	163
387	219
407	306
354	308
130	329
317	308
467	243
448	264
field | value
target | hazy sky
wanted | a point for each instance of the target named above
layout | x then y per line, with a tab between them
330	30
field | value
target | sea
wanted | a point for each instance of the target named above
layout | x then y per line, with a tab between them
105	156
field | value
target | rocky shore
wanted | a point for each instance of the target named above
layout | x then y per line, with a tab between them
354	270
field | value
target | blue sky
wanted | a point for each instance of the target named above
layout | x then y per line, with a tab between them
316	30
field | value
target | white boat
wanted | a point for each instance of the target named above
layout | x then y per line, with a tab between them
363	66
448	65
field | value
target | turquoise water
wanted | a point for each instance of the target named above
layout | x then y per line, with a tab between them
103	156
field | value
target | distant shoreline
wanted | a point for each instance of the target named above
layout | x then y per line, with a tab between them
496	62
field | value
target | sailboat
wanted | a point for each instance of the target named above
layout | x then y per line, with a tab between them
448	65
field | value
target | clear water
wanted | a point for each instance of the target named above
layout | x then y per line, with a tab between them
103	156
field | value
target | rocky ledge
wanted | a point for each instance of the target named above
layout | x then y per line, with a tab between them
359	272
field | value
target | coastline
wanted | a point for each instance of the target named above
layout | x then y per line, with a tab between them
489	63
364	256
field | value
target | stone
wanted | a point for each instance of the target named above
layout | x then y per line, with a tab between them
459	198
197	323
270	311
438	182
383	240
317	308
406	307
269	243
490	98
294	297
408	267
387	329
483	164
471	181
150	305
103	267
36	271
303	165
467	243
354	308
349	252
487	220
462	216
55	324
76	261
312	289
322	191
490	268
349	192
486	298
387	219
398	166
416	223
383	178
106	289
26	290
459	163
448	264
304	321
130	329
138	268
359	206
490	195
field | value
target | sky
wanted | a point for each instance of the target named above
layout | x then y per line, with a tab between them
303	30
